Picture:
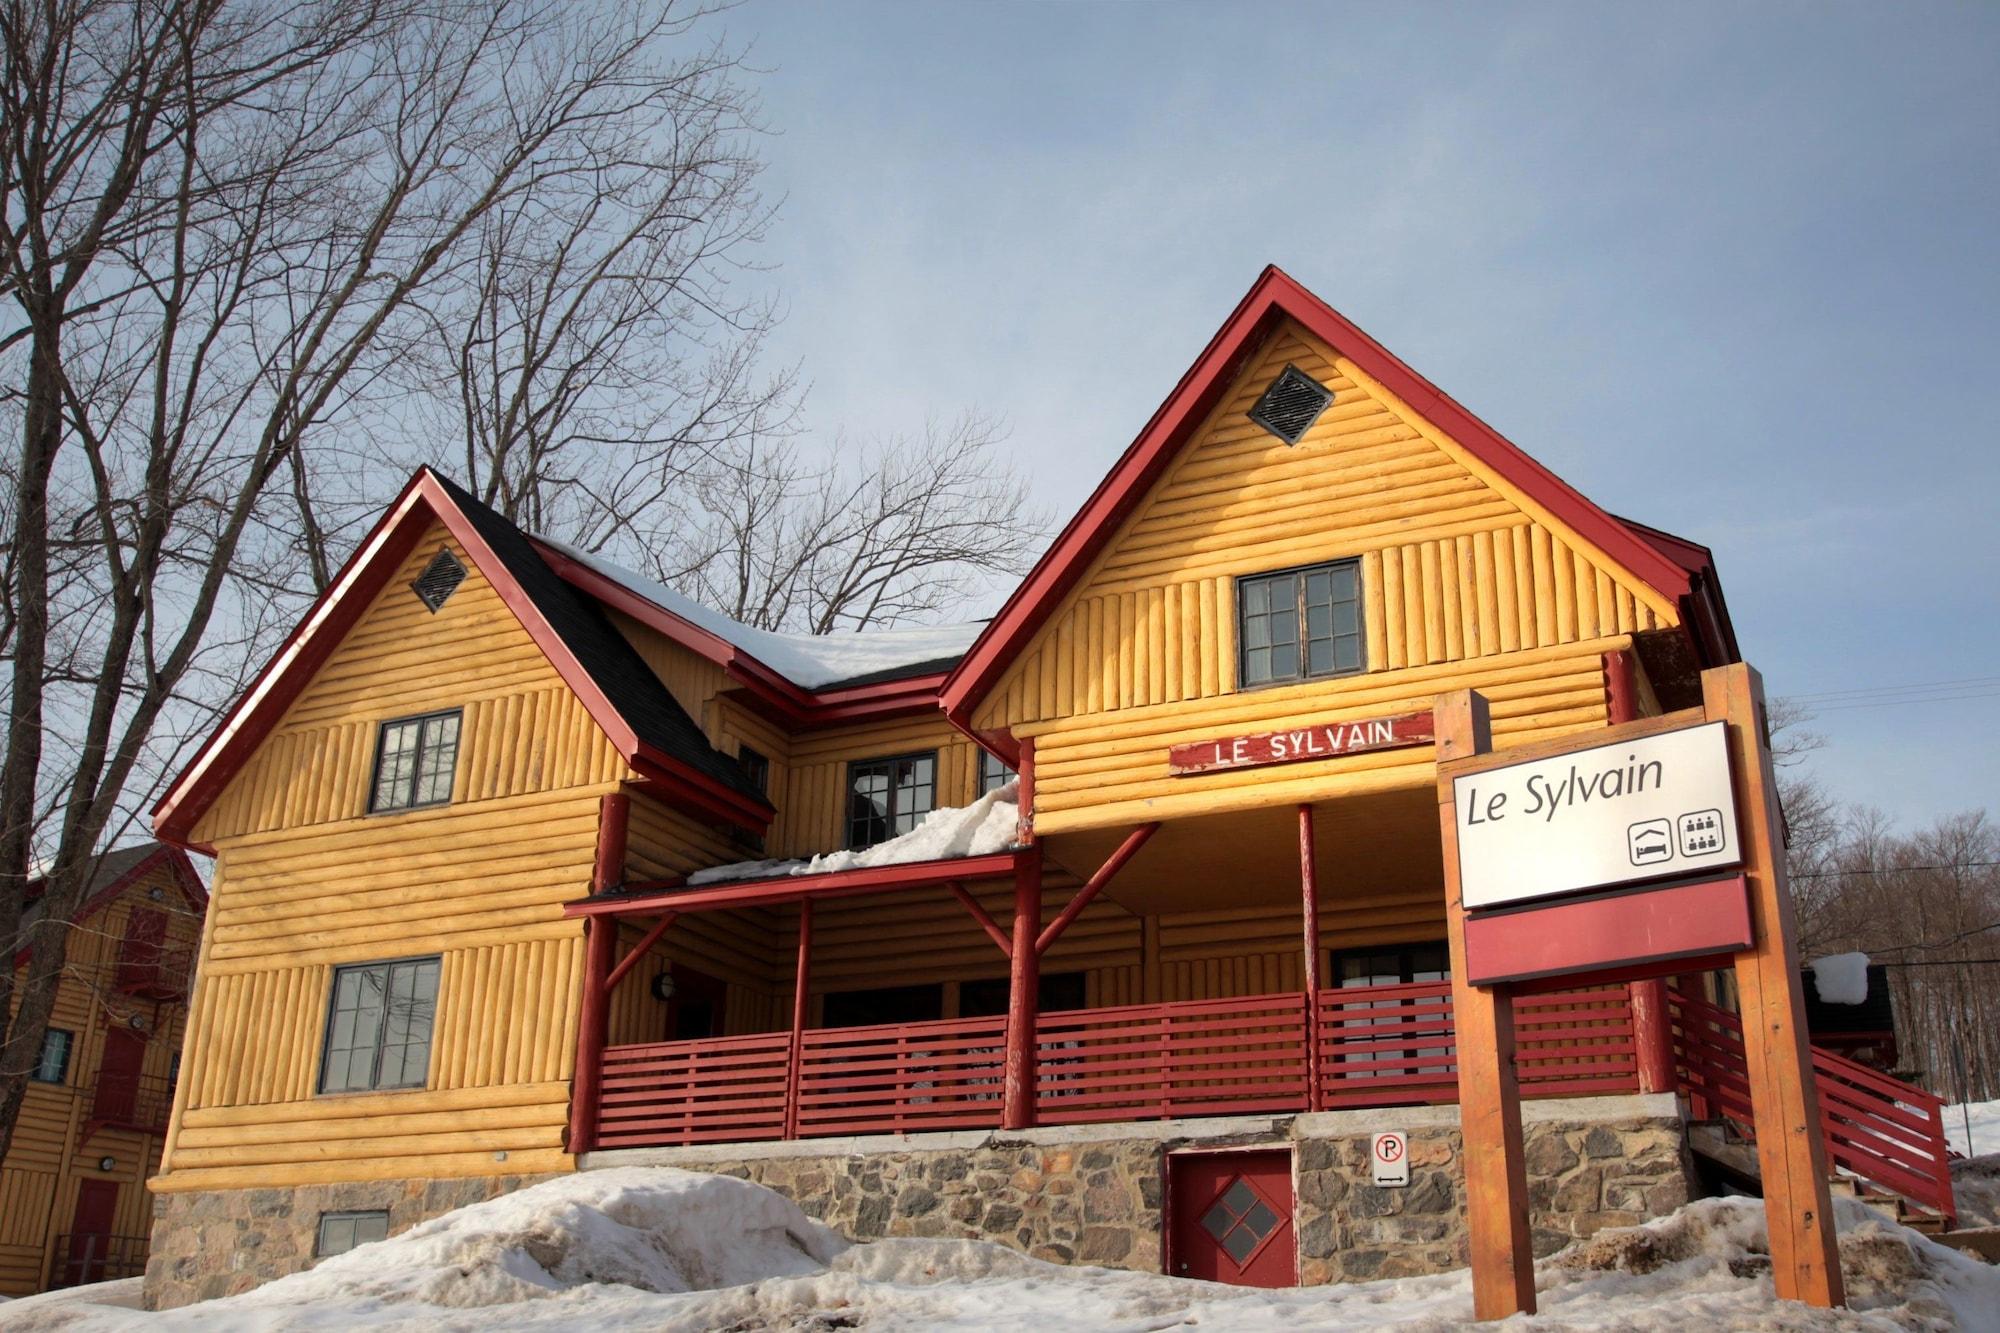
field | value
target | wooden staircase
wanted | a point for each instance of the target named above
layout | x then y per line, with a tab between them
1884	1138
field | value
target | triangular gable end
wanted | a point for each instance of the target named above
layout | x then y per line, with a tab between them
684	778
1273	299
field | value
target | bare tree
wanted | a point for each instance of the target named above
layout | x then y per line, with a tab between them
886	534
227	232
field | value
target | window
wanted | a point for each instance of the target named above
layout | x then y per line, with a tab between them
378	1028
53	1066
755	767
1397	965
1299	625
341	1232
993	774
887	797
414	761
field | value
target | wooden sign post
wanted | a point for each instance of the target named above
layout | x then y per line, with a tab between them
1805	1256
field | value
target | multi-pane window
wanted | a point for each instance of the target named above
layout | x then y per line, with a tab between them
756	767
414	761
1299	625
993	774
1397	966
341	1232
53	1065
378	1030
888	797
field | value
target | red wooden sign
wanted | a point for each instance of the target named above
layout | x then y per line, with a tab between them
1322	740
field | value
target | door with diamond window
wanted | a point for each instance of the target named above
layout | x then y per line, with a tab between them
1232	1218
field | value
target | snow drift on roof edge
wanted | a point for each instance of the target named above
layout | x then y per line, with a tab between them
810	661
988	825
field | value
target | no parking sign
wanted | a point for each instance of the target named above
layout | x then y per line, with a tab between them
1391	1152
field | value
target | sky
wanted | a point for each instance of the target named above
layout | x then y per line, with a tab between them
1732	270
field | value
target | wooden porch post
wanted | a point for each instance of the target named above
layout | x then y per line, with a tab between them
599	948
1652	1023
1023	994
795	1056
1489	1095
1784	1100
1309	894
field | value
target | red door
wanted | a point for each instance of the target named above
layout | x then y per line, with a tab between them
1231	1218
117	1099
90	1233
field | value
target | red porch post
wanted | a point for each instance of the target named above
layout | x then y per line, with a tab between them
599	948
1309	893
1652	1024
1024	984
795	1057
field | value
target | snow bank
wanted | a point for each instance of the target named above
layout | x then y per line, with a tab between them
1973	1128
810	661
987	825
659	1249
1841	978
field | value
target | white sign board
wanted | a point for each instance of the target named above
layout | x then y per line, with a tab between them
1392	1159
1653	808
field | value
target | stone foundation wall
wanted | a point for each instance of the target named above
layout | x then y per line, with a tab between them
210	1243
1079	1194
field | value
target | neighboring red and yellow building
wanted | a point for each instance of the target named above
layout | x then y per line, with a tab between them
73	1200
462	933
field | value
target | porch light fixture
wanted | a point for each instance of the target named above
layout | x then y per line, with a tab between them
663	987
106	1163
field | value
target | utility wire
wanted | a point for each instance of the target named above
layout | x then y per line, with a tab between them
1889	870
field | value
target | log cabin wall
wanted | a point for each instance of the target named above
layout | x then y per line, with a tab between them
56	1146
306	879
1465	581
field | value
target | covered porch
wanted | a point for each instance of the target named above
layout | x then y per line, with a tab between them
1218	1031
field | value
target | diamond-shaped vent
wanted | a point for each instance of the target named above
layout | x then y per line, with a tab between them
1291	405
1240	1221
439	580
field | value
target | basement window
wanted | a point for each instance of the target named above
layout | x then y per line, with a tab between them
415	758
378	1026
1290	406
889	797
341	1232
1301	624
439	580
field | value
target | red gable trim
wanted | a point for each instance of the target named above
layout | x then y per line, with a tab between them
185	879
1274	297
343	603
763	689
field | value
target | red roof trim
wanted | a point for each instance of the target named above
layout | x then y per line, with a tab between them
1274	296
763	689
350	594
792	888
185	879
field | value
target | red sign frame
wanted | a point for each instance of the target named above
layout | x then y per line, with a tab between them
1297	745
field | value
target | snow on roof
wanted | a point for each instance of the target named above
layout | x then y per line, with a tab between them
1841	978
810	661
675	1251
987	825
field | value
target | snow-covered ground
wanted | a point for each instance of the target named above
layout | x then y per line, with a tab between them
1984	1118
656	1248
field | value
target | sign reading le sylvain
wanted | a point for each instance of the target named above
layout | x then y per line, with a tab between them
1321	740
1650	808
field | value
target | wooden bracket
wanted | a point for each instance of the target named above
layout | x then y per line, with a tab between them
639	950
983	917
1112	865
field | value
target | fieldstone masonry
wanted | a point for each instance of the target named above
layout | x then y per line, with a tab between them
1079	1194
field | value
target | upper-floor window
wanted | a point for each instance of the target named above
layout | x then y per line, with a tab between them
378	1027
887	797
1300	624
993	774
53	1065
756	767
414	760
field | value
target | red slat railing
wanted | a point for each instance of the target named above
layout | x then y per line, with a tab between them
1396	1045
1879	1129
1380	1046
1160	1061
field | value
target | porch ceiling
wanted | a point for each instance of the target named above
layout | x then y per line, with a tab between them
1379	843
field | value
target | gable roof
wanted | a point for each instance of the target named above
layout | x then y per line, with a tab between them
114	872
1273	298
643	721
800	680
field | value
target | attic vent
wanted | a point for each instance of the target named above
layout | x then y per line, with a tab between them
1291	405
439	580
